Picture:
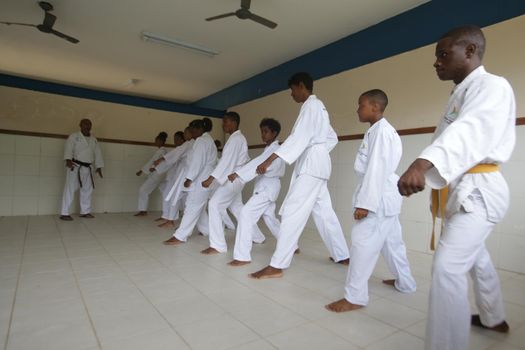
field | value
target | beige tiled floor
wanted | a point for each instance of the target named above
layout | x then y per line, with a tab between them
109	283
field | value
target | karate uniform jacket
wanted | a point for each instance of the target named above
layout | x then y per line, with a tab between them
269	182
478	127
83	148
234	156
375	165
159	153
203	160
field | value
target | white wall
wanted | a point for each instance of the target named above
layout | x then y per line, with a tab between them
32	176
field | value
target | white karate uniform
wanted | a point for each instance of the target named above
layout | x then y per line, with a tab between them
478	128
309	145
87	150
202	161
262	202
380	231
153	180
174	165
228	195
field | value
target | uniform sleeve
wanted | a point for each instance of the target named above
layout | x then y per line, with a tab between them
174	155
230	154
197	161
331	139
248	172
300	138
99	162
68	150
377	172
469	139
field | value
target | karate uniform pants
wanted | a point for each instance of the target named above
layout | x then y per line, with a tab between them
308	194
226	196
170	210
461	249
371	236
152	182
72	185
247	231
194	215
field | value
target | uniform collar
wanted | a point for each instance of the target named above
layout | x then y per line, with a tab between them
474	74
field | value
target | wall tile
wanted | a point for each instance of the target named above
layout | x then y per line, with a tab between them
6	185
49	205
52	147
6	205
7	164
513	173
49	186
27	165
417	235
52	166
513	222
25	205
7	144
113	168
112	151
27	145
511	257
26	186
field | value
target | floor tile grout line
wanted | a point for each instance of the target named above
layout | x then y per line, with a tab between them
138	288
99	344
6	342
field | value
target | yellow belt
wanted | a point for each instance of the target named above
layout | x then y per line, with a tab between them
439	198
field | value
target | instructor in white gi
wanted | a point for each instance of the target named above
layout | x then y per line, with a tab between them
81	151
377	205
476	134
308	145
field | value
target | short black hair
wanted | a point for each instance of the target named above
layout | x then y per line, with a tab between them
271	124
233	116
377	96
180	134
163	136
466	35
207	124
302	77
197	124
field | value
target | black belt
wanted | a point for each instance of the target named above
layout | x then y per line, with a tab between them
87	165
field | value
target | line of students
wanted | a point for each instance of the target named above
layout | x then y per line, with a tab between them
476	134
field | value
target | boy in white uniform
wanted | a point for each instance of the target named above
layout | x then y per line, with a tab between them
202	162
265	193
228	195
476	134
153	179
308	145
377	205
81	151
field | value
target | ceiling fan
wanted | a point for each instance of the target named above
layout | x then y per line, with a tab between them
245	13
47	25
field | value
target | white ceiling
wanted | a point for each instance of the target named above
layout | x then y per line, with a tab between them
111	52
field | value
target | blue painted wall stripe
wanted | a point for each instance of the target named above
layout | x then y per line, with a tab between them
66	90
410	30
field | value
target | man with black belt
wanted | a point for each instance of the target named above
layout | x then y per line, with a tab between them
81	152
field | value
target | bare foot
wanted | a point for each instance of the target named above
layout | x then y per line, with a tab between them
173	241
167	224
141	213
342	262
87	216
390	282
209	251
160	219
238	263
503	327
342	305
66	217
267	272
297	251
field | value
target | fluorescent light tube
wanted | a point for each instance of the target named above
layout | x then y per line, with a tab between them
159	39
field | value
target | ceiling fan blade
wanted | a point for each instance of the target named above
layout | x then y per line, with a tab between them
64	36
19	24
245	4
224	15
49	20
262	20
